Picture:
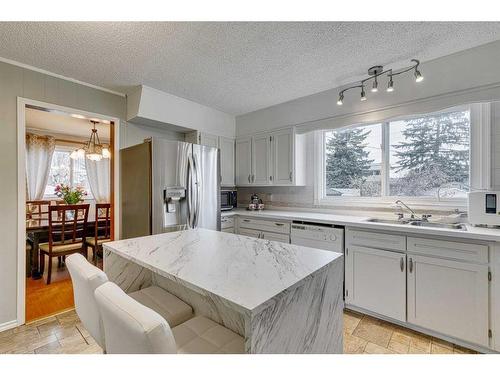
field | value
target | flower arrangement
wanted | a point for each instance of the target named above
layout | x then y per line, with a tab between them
70	195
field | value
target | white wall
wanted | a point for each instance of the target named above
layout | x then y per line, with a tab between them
451	80
149	106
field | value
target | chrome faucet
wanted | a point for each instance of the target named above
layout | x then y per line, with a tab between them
412	213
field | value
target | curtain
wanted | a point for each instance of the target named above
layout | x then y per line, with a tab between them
39	151
99	179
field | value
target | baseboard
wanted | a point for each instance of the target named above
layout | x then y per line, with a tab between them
8	325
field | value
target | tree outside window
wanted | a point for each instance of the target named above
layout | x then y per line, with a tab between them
426	156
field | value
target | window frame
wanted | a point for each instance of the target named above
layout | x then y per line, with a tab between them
68	149
479	160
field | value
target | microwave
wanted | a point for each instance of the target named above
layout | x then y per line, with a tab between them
228	199
484	208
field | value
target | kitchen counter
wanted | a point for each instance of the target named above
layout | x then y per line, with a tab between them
260	289
473	233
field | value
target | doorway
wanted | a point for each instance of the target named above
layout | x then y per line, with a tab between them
66	157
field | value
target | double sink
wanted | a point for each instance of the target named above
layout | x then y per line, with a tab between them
419	223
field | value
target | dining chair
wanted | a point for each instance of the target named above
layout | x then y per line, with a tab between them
37	210
87	277
102	229
67	233
132	328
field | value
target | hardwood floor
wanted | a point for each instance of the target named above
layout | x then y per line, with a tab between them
44	300
65	333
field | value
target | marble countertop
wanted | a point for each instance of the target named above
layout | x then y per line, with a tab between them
245	272
475	233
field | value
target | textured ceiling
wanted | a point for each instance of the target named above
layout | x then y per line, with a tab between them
64	125
234	67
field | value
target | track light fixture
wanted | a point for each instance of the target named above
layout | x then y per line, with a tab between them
376	71
341	99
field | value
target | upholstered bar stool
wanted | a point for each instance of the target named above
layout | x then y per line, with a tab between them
132	328
86	278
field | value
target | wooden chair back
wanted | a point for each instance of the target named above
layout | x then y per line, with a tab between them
37	210
68	223
102	229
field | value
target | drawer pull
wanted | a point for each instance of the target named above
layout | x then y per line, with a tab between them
402	264
246	220
410	268
279	224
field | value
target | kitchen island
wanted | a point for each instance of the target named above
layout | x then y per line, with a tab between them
281	298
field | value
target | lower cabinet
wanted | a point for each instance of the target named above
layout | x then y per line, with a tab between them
376	281
450	297
265	229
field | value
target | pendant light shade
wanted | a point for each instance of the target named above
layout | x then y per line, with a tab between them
93	149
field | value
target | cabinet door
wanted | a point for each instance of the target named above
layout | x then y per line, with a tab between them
376	281
250	232
209	140
282	146
449	297
228	230
276	237
226	146
243	161
261	155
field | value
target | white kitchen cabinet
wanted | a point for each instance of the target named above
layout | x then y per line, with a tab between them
278	237
207	139
243	161
449	297
283	161
376	281
227	158
276	158
261	165
249	232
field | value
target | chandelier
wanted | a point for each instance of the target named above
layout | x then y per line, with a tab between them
93	149
375	72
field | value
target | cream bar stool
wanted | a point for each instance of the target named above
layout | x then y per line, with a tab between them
86	278
132	328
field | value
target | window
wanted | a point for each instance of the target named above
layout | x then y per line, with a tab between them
424	157
64	170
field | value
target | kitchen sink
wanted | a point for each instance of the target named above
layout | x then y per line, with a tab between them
418	223
438	225
388	221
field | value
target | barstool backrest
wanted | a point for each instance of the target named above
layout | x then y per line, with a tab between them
129	326
86	278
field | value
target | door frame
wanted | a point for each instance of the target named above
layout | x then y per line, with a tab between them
21	187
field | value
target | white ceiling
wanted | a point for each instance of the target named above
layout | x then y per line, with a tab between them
234	67
63	125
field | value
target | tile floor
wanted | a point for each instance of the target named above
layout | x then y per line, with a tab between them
64	333
366	335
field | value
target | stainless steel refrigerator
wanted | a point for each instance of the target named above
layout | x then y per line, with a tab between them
168	186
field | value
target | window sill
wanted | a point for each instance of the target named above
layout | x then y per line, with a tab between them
389	203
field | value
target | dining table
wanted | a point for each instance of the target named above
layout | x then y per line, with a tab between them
37	231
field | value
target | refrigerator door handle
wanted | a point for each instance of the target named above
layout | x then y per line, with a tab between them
189	193
198	194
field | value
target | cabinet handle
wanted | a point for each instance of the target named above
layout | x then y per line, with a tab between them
279	224
291	174
262	235
249	180
271	178
253	178
411	266
402	264
246	220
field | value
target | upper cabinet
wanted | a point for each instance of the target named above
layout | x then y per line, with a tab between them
272	158
227	153
243	161
261	166
226	146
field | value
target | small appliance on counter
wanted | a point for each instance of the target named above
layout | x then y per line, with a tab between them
255	203
228	200
484	208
